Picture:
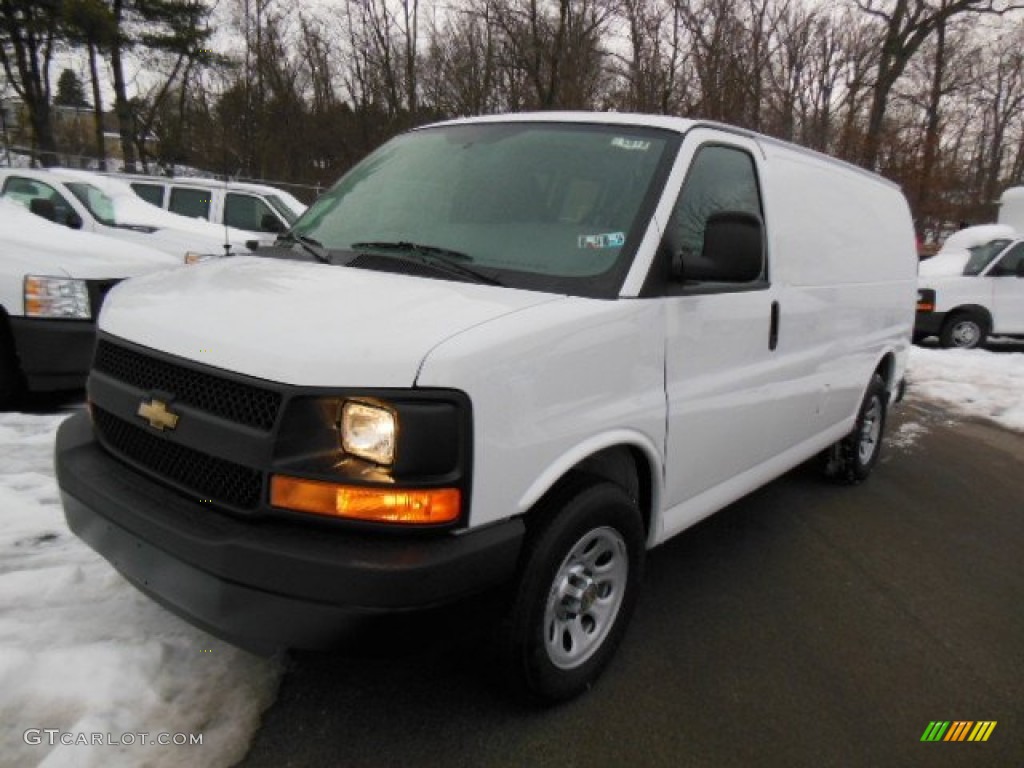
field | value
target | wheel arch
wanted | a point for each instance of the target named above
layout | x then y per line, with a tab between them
970	309
629	460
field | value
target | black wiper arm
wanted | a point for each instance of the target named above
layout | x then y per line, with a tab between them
405	245
442	258
313	247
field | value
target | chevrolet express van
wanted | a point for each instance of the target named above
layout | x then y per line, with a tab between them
514	351
256	208
973	288
52	284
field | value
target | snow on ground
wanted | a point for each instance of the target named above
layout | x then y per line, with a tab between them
82	652
982	383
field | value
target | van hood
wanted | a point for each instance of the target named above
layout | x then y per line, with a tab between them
303	324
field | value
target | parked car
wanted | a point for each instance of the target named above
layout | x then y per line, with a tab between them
973	288
515	351
255	208
52	283
102	205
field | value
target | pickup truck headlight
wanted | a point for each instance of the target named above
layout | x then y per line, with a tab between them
369	431
56	297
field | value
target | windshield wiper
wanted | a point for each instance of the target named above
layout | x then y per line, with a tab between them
444	259
313	247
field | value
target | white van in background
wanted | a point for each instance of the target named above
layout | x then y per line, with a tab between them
973	288
1011	208
256	208
53	281
515	351
107	206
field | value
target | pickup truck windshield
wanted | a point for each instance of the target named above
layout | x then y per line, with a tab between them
93	198
539	206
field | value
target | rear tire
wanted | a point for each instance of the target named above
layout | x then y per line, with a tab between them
851	460
965	330
576	590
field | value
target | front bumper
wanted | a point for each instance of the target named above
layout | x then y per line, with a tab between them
264	584
928	324
54	354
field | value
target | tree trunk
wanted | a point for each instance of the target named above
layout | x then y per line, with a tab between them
97	100
122	108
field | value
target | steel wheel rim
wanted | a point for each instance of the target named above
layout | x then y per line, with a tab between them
870	431
585	597
966	333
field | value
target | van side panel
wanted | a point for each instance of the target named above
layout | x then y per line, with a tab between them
843	253
550	386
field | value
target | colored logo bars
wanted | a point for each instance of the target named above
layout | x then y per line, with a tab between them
958	730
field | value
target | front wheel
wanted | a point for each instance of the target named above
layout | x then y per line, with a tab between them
576	590
851	459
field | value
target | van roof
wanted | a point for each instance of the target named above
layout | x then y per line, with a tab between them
679	125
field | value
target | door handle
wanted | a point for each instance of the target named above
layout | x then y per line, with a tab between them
773	332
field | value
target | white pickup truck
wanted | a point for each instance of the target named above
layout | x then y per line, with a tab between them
508	352
52	284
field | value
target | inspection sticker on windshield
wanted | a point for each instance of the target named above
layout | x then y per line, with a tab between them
610	240
638	145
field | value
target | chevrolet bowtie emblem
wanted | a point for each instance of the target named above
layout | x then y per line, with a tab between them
156	413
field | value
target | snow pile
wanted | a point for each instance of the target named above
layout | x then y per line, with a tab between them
975	382
82	652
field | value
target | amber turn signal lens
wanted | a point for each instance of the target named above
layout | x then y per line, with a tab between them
382	505
925	307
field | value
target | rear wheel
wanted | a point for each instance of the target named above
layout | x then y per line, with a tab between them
576	590
966	330
851	459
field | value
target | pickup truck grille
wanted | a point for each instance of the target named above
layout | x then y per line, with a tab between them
208	477
237	402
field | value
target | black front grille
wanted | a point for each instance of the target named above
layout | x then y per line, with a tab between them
209	477
238	402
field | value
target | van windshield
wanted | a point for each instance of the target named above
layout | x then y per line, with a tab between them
982	256
542	206
93	198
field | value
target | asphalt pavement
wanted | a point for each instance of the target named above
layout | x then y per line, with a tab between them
806	625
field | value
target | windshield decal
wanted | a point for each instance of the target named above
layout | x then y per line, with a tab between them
610	240
635	145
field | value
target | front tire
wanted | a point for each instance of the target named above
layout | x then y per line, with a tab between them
576	590
851	460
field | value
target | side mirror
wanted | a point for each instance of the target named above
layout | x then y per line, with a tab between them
73	220
40	206
733	250
270	223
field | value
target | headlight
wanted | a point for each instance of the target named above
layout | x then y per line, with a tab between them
56	297
369	431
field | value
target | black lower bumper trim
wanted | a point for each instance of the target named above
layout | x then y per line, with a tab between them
264	584
928	323
53	354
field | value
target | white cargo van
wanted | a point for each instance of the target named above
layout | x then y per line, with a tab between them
103	205
256	208
52	283
507	351
973	288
